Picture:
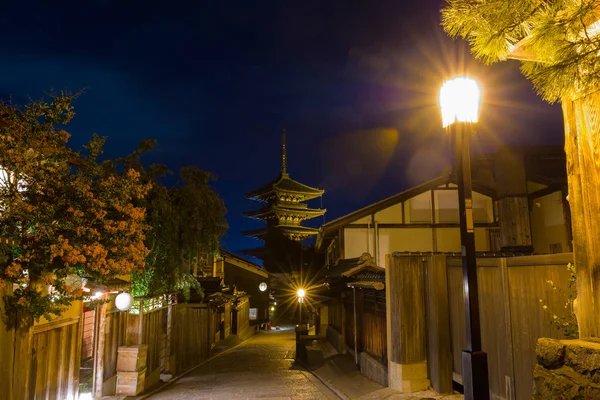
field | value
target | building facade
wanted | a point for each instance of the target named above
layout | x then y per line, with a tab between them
519	206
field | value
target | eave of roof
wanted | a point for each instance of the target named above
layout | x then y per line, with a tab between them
285	184
332	226
271	209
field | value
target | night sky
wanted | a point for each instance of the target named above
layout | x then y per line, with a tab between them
353	82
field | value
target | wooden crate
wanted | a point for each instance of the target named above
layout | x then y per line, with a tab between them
130	383
132	358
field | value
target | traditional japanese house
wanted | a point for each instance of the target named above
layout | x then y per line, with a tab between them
240	274
284	209
357	313
519	206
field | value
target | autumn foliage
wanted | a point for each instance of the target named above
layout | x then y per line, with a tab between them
68	214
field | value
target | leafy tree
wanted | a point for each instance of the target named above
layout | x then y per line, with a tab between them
560	39
187	223
68	213
558	43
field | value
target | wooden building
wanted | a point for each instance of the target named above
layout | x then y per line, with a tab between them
284	209
240	274
519	206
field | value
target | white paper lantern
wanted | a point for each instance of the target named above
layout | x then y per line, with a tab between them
124	301
262	286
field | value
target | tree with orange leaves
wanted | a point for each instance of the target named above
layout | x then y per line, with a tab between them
67	213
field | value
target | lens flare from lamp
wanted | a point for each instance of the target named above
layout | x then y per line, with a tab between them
459	100
124	301
301	293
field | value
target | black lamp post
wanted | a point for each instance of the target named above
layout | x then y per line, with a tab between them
459	103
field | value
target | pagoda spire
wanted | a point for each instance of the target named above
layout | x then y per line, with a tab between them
283	153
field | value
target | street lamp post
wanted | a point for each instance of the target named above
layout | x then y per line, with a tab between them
459	102
301	293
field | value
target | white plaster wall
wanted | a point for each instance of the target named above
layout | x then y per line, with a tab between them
356	242
403	239
391	215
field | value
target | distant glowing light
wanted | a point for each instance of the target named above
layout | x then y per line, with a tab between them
301	293
275	303
262	286
272	308
459	100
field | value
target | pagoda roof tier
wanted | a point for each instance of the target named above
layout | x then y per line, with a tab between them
289	212
298	232
258	252
256	233
293	232
285	188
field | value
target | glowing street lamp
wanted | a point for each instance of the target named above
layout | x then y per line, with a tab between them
460	99
300	293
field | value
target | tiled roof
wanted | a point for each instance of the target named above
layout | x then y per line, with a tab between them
284	209
285	184
363	268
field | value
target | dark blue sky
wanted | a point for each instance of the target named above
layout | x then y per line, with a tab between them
354	83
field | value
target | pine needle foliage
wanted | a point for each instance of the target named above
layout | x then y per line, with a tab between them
562	35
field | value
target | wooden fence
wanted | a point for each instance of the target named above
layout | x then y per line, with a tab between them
43	361
191	342
512	317
55	366
371	335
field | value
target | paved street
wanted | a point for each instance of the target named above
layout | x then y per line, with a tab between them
261	368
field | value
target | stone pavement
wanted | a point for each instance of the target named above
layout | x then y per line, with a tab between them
340	373
262	367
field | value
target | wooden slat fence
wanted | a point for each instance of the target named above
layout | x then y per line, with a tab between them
191	343
114	336
512	317
55	367
373	329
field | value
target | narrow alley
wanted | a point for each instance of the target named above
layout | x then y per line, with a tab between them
261	368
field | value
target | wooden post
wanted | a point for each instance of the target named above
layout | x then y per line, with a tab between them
406	325
513	204
438	325
342	304
582	146
99	336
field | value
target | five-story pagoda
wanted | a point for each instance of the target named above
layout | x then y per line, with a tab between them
283	211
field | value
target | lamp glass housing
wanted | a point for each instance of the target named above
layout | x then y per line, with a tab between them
459	99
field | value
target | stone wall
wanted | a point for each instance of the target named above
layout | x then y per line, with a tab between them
373	369
567	369
336	339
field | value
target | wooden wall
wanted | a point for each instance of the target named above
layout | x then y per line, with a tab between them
114	336
373	328
55	366
512	317
191	338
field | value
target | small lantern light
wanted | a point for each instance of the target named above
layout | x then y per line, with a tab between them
262	286
124	301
